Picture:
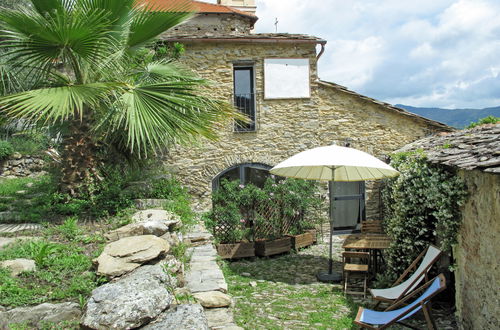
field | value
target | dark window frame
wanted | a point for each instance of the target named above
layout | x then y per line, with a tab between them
241	171
245	103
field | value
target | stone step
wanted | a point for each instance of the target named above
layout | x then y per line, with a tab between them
150	203
16	227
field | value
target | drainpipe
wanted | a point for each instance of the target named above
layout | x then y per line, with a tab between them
322	50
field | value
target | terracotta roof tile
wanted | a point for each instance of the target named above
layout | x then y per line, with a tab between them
197	6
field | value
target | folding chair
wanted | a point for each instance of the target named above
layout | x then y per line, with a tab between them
355	270
370	319
400	289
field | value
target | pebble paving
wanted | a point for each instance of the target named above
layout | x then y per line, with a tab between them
282	292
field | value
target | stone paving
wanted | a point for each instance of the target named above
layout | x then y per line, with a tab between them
286	292
205	275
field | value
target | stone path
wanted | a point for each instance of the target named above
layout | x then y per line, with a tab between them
205	275
16	227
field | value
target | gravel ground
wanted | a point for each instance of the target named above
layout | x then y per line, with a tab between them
282	292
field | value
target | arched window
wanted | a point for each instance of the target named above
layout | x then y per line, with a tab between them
255	173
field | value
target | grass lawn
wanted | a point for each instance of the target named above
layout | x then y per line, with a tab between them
63	255
282	293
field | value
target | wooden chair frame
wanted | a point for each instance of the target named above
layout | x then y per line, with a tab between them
424	304
413	267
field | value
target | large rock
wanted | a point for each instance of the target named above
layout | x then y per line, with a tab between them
131	301
46	312
212	299
181	317
128	253
147	222
17	266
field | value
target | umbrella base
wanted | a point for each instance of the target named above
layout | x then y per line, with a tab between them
329	277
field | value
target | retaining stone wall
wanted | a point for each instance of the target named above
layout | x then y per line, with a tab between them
21	166
478	253
284	127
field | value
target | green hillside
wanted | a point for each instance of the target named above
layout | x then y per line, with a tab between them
454	117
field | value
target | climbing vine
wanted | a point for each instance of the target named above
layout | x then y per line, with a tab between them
422	206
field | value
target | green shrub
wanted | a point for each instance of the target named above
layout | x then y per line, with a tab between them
247	212
422	206
178	199
30	143
485	120
6	149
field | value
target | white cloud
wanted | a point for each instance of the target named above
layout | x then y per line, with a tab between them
425	52
356	59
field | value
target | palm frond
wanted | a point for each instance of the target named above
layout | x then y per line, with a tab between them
44	41
170	112
57	104
149	20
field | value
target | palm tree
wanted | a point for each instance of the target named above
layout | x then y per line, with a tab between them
86	76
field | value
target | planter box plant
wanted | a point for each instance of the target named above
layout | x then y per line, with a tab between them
302	240
264	248
236	250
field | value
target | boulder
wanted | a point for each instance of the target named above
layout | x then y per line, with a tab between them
17	266
4	241
149	203
212	299
148	222
128	253
172	265
181	317
163	216
130	302
46	312
219	317
172	238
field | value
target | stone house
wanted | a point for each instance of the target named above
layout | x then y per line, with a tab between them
273	78
475	154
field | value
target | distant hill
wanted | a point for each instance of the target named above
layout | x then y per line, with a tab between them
454	117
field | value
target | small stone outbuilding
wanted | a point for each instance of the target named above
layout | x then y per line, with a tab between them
273	78
476	154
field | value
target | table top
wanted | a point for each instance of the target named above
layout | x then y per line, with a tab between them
367	241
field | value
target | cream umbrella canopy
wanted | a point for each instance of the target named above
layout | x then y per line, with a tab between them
333	163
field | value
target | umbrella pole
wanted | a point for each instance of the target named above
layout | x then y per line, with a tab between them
330	276
330	257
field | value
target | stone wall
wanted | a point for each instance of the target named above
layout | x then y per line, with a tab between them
286	126
21	166
478	253
212	25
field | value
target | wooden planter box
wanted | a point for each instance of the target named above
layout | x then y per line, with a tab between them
314	234
302	240
268	248
236	250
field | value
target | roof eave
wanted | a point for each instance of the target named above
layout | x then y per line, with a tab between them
388	106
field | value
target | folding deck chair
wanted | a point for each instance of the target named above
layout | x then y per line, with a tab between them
400	289
370	319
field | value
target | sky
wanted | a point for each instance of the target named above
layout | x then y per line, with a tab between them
426	53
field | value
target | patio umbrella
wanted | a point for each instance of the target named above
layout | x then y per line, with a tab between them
333	163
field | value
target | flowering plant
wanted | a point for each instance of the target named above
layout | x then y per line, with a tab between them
248	212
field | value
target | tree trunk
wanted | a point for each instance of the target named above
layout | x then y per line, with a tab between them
78	162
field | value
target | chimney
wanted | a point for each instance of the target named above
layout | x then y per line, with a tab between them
243	5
